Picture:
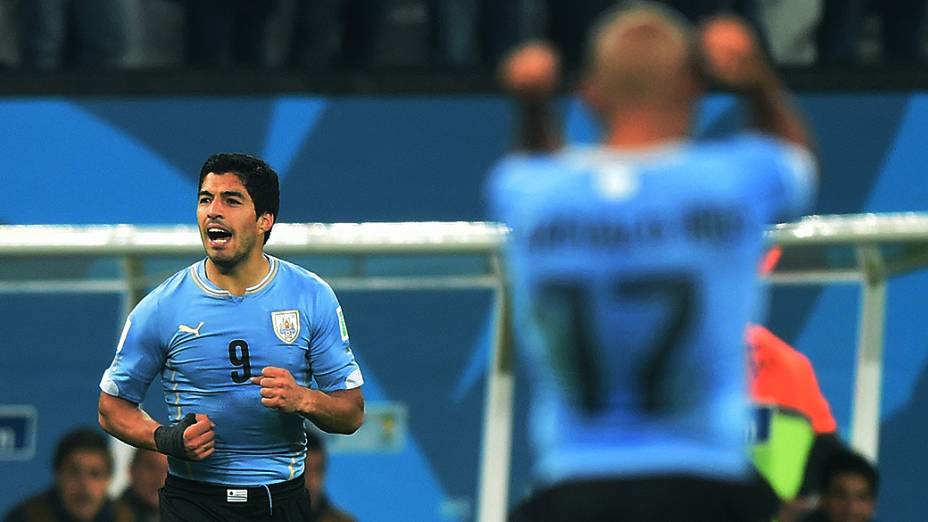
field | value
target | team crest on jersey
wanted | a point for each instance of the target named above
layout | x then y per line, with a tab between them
286	325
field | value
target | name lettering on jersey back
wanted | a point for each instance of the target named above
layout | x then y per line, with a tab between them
604	234
703	224
714	224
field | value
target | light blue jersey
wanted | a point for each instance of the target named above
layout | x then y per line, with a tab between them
206	343
633	276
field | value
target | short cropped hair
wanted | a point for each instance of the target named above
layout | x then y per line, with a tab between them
607	18
82	438
259	178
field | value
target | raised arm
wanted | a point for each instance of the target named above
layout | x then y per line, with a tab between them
733	58
530	75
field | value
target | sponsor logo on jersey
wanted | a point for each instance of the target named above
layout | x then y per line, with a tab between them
342	327
188	329
286	325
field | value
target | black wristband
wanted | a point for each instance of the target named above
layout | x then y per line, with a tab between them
170	439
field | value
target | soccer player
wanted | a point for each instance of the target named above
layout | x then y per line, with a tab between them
633	270
236	339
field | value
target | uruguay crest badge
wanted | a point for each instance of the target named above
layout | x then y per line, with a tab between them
286	325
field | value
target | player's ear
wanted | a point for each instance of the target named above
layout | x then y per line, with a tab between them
265	222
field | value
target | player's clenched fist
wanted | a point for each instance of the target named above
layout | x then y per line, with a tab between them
530	71
279	390
192	438
199	438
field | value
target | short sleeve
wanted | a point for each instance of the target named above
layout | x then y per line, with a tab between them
494	189
789	175
139	355
507	178
331	359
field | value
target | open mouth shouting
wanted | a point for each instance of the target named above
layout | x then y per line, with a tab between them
218	236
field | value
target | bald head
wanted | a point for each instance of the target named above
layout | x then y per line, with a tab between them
641	55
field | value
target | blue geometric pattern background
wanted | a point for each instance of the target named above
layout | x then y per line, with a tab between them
94	160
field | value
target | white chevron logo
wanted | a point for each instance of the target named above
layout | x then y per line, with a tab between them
187	329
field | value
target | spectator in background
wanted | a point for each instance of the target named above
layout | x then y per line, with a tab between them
83	468
568	22
9	47
336	33
849	489
146	476
225	33
467	33
316	461
86	33
791	26
839	34
748	10
901	34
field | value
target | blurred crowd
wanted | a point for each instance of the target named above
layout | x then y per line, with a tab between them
83	470
49	35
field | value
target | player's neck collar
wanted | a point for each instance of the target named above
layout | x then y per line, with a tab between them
198	274
643	152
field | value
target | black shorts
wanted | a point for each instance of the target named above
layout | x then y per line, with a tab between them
192	501
652	499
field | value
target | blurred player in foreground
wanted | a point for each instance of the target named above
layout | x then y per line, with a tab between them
633	270
236	338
